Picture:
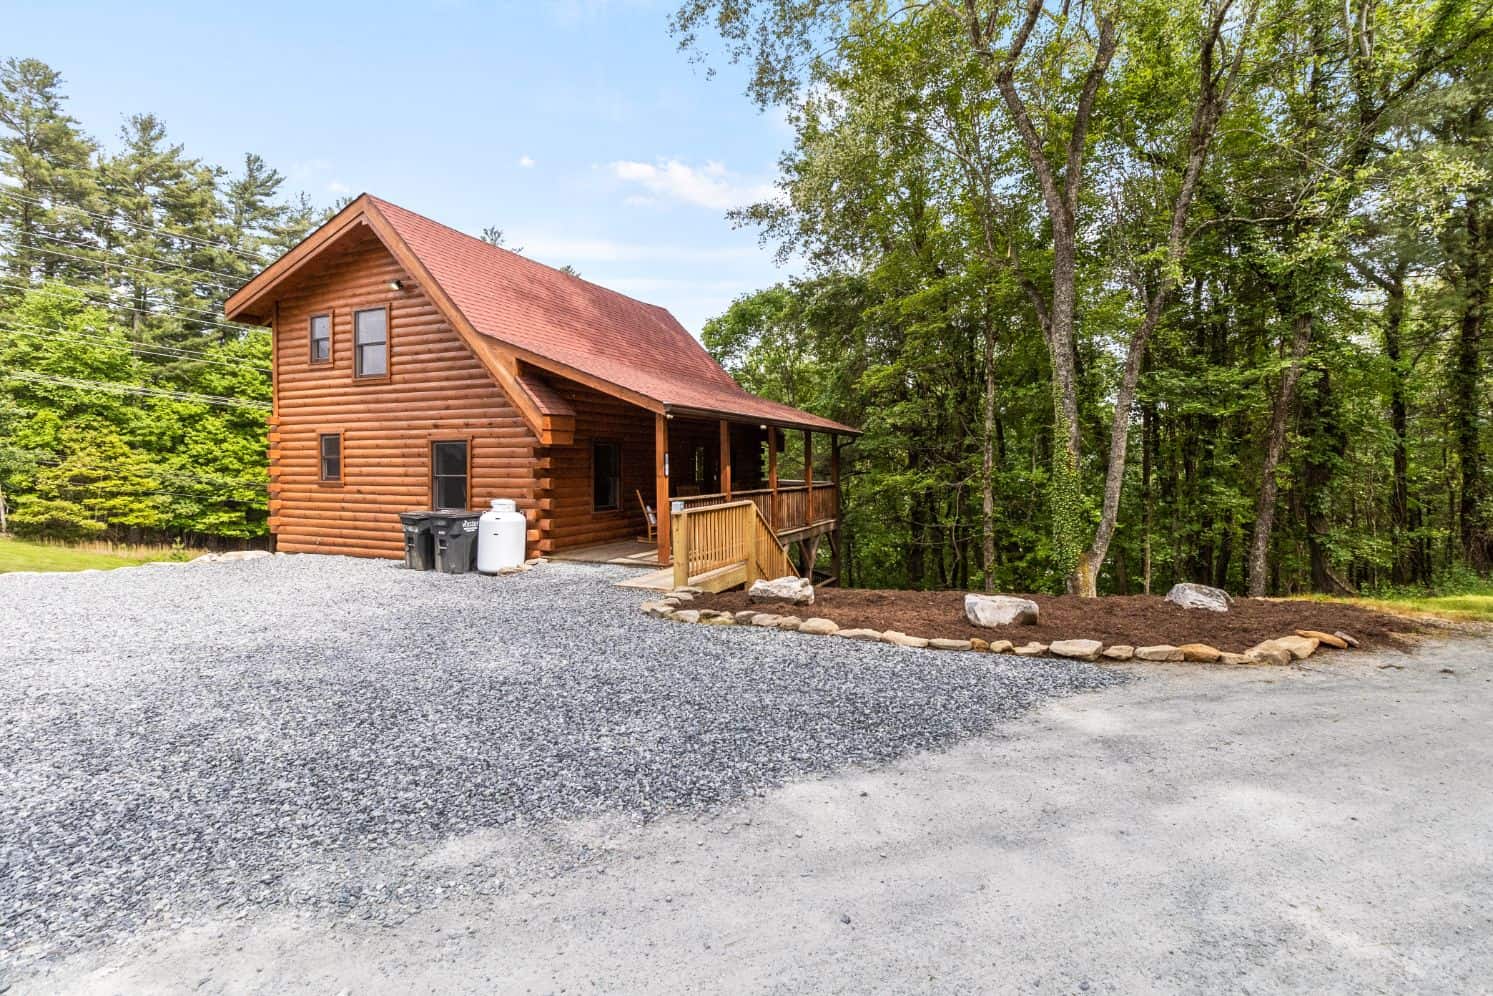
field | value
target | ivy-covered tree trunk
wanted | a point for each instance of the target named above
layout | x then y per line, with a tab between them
1468	412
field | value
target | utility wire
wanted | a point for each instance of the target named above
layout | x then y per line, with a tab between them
113	219
150	349
125	266
122	251
153	392
180	311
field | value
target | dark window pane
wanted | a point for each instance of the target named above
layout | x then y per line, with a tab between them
331	457
606	483
451	458
451	492
448	466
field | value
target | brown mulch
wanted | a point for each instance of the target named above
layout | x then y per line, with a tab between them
1138	620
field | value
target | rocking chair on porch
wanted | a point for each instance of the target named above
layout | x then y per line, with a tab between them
649	516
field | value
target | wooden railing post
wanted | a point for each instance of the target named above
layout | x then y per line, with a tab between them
726	459
679	526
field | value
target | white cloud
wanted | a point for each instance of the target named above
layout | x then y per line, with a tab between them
339	188
527	162
711	186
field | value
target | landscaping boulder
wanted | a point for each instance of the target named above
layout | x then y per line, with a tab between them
1000	610
1164	652
1346	639
233	555
1119	652
658	609
1228	658
794	591
1199	596
818	627
765	619
789	622
1084	650
1001	646
1301	647
1031	649
975	643
1326	639
1269	652
941	644
745	616
868	635
687	615
900	639
1200	653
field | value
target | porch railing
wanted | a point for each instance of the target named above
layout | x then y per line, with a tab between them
722	546
788	509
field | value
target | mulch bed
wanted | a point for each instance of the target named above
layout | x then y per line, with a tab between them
1138	620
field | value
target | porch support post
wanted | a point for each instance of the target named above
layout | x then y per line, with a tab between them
834	537
808	477
772	476
661	486
726	459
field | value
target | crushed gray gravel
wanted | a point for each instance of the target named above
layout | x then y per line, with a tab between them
238	736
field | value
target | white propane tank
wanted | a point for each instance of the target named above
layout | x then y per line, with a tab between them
500	537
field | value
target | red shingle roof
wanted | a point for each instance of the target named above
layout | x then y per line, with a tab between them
636	346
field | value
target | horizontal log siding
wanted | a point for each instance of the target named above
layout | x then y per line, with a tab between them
436	390
573	521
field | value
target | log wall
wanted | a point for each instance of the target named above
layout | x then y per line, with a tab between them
436	389
571	518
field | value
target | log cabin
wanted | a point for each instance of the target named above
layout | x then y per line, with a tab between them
417	367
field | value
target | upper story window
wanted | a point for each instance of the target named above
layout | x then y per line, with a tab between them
330	445
321	338
371	342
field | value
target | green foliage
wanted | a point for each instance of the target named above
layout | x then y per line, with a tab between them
113	272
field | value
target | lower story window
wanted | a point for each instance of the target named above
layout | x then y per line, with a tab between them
331	456
448	473
606	476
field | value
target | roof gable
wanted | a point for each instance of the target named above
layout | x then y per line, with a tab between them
549	318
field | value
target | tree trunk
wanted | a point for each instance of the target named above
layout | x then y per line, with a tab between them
1401	569
1472	527
987	465
1275	445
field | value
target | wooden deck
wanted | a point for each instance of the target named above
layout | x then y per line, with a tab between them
626	553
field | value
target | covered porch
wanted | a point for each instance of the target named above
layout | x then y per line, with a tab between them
700	469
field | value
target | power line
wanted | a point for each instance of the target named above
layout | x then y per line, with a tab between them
153	392
149	349
120	250
112	219
126	266
181	311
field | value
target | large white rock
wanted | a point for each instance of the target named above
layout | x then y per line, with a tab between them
1084	650
795	591
1199	596
1000	610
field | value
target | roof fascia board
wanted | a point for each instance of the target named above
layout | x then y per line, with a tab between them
250	294
737	417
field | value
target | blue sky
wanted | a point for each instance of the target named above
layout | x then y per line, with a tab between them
576	126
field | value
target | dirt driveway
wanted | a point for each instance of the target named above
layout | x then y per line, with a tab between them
1322	829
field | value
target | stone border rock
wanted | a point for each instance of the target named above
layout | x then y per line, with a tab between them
1281	650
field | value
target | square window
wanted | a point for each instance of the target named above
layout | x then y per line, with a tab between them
330	444
371	342
321	338
606	476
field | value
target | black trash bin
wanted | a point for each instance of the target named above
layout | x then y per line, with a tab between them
419	544
455	535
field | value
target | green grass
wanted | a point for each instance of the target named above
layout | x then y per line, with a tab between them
1467	606
20	555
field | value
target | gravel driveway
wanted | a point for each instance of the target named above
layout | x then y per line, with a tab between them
304	733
